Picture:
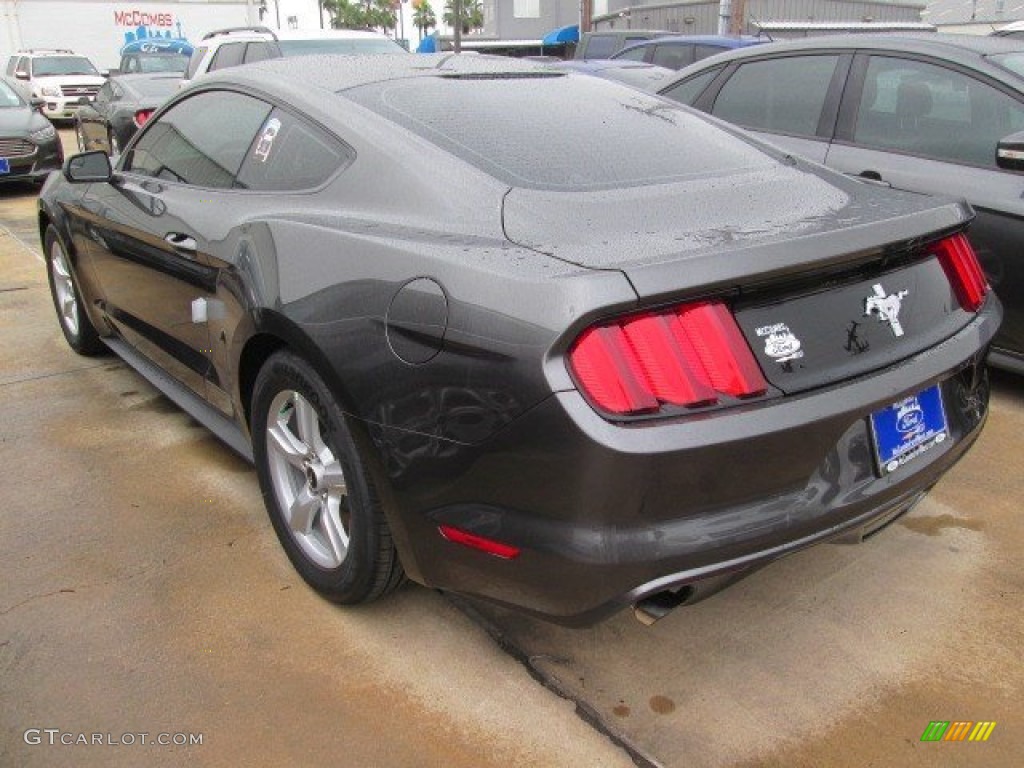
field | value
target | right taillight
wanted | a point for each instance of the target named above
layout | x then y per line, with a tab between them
963	271
684	356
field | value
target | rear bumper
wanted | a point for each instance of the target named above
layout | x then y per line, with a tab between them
607	514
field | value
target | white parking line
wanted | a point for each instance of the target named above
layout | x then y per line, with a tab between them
5	232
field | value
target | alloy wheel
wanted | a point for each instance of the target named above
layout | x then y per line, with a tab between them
64	288
307	480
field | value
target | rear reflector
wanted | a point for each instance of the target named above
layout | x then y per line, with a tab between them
142	116
491	547
963	271
686	356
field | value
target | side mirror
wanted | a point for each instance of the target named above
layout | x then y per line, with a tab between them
1010	152
88	167
21	74
36	103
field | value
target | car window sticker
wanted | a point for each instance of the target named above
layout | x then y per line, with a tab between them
267	135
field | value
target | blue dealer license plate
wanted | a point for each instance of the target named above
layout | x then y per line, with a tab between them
908	428
5	166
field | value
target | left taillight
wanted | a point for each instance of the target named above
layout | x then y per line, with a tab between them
688	356
963	271
142	117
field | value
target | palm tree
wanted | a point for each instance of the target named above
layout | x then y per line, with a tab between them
423	16
472	14
361	14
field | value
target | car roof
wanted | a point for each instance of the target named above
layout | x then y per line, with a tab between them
946	45
329	34
337	72
137	76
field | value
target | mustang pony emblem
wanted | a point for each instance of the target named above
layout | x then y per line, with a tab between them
886	307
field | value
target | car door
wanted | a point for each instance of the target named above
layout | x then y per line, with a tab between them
153	226
790	100
927	126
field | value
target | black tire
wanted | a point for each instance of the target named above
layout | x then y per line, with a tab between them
74	321
286	389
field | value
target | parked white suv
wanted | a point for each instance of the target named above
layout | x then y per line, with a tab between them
242	45
59	76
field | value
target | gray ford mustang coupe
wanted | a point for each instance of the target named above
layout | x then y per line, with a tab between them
529	336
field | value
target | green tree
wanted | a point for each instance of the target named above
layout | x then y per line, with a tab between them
361	14
423	16
472	14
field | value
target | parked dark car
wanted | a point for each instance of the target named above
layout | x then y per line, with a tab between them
30	148
122	106
683	50
605	42
646	77
491	355
933	114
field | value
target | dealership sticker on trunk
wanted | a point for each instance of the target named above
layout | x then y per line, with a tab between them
780	343
908	428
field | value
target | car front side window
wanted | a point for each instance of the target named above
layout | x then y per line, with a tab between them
200	141
779	95
633	54
924	109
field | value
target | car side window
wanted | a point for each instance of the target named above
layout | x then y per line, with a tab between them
228	55
703	51
634	54
105	93
259	52
23	68
601	47
291	154
673	56
690	89
924	109
193	63
11	64
783	95
199	141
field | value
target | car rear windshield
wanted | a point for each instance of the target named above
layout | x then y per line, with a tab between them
63	65
163	63
156	87
555	131
342	46
1011	61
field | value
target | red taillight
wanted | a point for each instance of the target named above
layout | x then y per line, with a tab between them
142	116
490	546
963	271
684	356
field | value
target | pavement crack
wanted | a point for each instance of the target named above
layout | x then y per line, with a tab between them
33	598
41	376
